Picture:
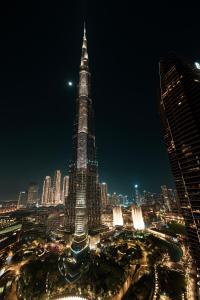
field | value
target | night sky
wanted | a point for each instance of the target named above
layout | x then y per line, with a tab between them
40	51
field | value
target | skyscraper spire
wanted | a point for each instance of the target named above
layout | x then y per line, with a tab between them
84	56
84	31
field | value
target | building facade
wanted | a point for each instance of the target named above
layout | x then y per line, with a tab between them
56	193
65	188
166	198
83	204
114	199
23	197
104	194
180	112
46	193
32	198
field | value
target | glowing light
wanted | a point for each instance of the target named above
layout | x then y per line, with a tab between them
136	186
138	221
71	298
197	65
70	83
117	216
94	240
2	271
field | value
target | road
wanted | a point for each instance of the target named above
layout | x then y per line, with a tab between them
184	265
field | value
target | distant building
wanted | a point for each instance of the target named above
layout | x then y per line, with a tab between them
65	188
148	198
109	199
56	195
137	195
115	199
166	197
32	198
126	200
46	193
180	112
54	221
23	197
104	194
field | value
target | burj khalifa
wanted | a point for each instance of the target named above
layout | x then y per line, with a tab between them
83	206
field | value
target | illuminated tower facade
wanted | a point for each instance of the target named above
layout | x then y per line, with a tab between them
180	111
22	201
104	194
166	197
46	193
83	202
65	188
56	197
115	199
137	195
32	198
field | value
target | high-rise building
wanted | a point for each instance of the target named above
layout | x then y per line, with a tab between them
56	195
65	188
104	194
46	193
83	205
166	198
115	199
125	200
121	199
109	199
22	201
137	195
32	198
180	111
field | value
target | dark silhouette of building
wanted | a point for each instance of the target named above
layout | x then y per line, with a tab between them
180	112
82	206
32	198
23	197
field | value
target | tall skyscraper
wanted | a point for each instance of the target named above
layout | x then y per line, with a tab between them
115	199
22	201
137	195
180	111
56	196
83	202
46	193
104	194
166	198
65	188
32	198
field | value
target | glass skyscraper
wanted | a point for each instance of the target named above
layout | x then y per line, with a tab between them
180	112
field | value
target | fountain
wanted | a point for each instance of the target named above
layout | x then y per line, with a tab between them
117	216
138	221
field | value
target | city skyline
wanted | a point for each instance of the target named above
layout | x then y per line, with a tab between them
102	216
33	92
